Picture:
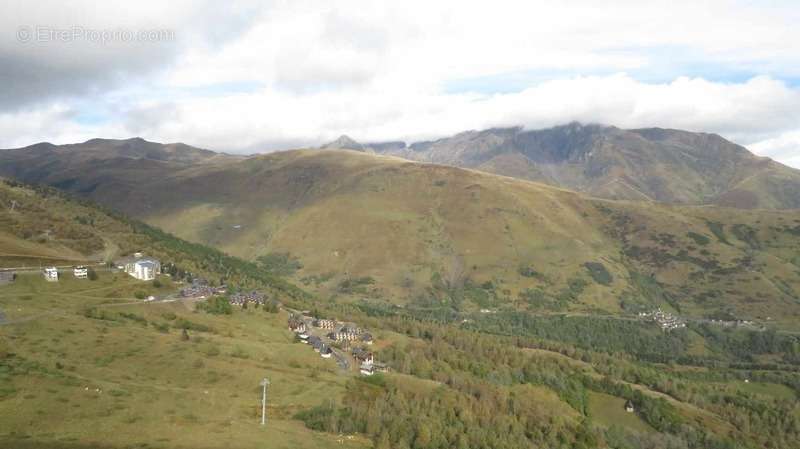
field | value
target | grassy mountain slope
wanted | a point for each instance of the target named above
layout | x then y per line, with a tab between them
368	226
424	231
39	226
43	226
384	228
653	164
70	379
85	365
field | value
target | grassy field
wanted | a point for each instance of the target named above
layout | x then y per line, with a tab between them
126	378
774	390
609	410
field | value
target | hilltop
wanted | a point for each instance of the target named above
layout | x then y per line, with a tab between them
110	163
343	143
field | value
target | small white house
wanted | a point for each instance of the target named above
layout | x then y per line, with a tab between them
629	406
80	272
50	274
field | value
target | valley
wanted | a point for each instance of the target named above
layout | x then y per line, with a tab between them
545	316
189	372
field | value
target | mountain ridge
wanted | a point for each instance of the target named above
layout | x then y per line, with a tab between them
643	164
655	164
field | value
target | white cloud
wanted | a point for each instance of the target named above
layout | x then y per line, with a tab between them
784	148
386	70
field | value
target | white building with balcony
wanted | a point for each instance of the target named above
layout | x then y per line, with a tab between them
80	272
50	274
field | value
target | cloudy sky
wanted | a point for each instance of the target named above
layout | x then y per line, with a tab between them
259	76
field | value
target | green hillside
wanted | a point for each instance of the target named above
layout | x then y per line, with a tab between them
86	364
364	226
358	225
74	378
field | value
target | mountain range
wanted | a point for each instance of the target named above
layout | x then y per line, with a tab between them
652	164
383	228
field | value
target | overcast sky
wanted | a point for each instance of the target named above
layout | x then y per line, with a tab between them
258	76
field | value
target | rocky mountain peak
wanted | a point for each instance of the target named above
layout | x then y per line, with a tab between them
344	142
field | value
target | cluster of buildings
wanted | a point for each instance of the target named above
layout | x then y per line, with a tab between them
665	320
51	274
366	362
320	346
342	334
326	324
733	323
201	289
347	334
137	266
242	298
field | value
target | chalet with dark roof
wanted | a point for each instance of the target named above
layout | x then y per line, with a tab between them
363	356
315	342
629	406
